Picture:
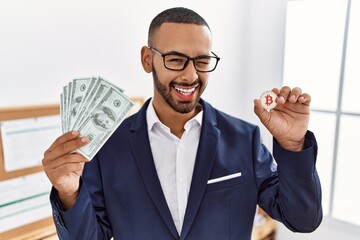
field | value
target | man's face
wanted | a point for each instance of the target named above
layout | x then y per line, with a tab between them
181	90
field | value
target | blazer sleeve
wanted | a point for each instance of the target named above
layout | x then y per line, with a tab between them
292	194
87	218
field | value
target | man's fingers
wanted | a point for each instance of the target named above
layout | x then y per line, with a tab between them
67	158
63	151
66	169
260	111
294	95
291	95
283	95
63	138
276	90
305	99
70	146
80	171
64	148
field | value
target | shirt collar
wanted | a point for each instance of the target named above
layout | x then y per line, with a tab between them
152	118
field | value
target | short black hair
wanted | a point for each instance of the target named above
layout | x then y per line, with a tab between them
175	15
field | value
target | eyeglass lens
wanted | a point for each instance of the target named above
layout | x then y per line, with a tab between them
177	62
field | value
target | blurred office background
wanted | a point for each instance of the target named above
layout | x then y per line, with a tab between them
314	44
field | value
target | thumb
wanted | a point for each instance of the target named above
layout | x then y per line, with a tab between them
261	112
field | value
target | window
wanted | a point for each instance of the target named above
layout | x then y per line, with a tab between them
322	56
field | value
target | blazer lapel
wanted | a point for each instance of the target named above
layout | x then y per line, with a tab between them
140	146
203	165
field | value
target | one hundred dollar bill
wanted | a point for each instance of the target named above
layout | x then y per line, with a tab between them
69	88
97	92
80	87
103	119
62	113
64	102
92	101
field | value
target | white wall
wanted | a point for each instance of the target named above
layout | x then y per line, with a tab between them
45	44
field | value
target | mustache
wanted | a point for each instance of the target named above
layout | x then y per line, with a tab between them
182	84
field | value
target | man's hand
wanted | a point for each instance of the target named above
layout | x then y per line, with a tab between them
289	120
64	168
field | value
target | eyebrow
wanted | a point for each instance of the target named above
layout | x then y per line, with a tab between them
184	55
176	53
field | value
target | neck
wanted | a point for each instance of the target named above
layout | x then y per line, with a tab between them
174	120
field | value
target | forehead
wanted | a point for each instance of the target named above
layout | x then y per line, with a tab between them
183	37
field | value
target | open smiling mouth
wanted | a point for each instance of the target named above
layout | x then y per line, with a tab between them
186	91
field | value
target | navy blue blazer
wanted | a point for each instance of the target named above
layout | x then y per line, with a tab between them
121	195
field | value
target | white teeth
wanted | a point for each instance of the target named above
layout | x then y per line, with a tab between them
185	91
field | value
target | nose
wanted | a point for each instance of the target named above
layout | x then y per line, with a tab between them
189	73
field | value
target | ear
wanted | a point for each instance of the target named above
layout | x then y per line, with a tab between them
146	59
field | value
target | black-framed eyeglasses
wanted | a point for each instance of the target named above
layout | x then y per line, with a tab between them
176	61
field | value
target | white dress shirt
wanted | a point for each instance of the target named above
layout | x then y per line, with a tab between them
174	160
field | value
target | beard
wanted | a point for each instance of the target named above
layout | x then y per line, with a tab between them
178	106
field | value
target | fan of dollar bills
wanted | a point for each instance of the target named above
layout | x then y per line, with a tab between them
94	107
